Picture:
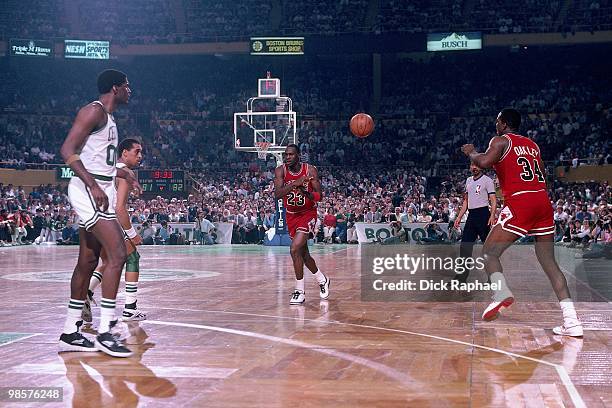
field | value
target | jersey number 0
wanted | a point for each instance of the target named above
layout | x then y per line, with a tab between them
111	155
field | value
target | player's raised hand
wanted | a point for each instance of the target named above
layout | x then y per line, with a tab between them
99	197
467	149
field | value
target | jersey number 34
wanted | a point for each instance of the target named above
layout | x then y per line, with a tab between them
528	172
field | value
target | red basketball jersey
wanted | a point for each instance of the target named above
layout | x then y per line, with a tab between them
520	169
294	201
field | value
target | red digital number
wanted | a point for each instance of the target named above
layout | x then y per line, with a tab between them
157	174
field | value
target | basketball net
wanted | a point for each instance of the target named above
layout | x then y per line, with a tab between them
262	149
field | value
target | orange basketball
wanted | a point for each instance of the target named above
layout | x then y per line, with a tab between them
362	125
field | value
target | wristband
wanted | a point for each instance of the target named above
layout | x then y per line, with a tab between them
131	233
72	159
316	196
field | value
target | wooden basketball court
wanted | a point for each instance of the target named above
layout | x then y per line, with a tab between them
221	333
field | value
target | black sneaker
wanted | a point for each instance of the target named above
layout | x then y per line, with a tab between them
111	345
86	312
90	297
75	341
132	315
324	288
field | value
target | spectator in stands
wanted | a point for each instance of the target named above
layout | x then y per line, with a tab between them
341	226
19	220
5	228
329	226
424	216
38	223
162	235
148	233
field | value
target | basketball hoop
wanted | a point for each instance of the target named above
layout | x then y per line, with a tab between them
262	149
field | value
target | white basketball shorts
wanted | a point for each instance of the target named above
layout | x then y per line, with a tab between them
85	206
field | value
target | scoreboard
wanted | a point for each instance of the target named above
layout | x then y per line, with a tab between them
162	182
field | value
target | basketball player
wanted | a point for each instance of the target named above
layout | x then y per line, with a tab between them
90	151
130	156
299	186
479	193
527	210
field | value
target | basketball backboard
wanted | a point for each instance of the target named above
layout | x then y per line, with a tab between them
269	121
276	128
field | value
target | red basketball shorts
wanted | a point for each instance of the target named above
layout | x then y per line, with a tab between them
303	222
528	213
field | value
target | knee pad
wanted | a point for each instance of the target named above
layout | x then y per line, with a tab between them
132	263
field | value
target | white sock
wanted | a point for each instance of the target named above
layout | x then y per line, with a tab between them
299	284
321	278
95	280
75	307
503	291
569	313
130	292
107	314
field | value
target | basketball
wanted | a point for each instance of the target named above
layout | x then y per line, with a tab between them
362	125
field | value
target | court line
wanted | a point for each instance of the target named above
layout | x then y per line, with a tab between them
561	371
402	378
597	329
19	339
324	252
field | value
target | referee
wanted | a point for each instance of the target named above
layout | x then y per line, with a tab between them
479	193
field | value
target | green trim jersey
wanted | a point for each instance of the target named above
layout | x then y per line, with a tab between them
99	153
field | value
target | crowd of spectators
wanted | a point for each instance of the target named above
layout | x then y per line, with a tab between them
123	22
590	15
423	117
427	110
324	17
166	21
227	19
31	19
244	198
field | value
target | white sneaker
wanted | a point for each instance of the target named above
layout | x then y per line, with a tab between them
297	297
324	289
494	309
574	330
133	315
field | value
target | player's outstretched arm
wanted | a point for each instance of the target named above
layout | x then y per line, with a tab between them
495	151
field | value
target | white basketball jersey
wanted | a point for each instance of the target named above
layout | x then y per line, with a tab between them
99	153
